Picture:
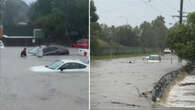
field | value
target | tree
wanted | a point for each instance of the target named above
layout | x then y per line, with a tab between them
15	11
160	32
62	20
181	39
93	16
154	34
15	18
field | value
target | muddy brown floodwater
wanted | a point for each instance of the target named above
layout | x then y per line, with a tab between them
22	89
118	85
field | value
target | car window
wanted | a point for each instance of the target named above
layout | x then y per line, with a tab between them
154	58
33	51
55	64
73	66
81	66
80	41
49	49
86	41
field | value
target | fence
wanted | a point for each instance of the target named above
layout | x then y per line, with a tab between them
122	50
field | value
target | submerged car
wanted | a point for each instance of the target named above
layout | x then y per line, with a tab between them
63	66
145	58
167	51
154	59
82	43
49	50
1	44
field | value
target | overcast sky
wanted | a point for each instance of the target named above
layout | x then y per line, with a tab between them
29	1
134	12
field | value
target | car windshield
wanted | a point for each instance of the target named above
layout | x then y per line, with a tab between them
154	58
55	64
80	41
33	51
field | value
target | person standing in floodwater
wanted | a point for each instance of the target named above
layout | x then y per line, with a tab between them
40	51
23	53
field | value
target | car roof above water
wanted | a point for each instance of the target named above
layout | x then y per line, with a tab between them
70	60
154	55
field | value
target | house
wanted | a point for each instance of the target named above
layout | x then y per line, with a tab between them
18	40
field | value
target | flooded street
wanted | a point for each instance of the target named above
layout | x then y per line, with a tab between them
183	93
22	89
117	84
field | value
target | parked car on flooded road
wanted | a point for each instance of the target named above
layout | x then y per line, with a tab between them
49	50
82	43
154	59
63	65
167	51
145	58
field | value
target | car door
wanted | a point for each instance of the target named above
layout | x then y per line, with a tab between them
50	51
73	67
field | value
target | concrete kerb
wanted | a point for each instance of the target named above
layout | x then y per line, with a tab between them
160	88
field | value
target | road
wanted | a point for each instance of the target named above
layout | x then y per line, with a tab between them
22	89
117	84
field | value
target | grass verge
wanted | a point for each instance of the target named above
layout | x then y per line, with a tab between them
122	56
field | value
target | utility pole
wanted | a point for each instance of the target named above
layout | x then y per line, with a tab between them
180	21
181	12
180	16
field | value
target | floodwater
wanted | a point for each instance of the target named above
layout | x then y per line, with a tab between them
118	85
22	89
183	93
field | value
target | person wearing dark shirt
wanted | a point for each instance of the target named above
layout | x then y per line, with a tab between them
23	53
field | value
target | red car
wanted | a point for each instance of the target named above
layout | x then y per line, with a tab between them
82	43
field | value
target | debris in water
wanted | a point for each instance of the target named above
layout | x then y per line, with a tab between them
131	61
126	104
186	84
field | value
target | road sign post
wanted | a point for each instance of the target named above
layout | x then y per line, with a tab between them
39	35
1	31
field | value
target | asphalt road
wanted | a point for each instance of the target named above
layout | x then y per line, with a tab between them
117	84
22	89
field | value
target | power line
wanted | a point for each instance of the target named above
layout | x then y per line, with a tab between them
187	6
168	6
154	8
180	16
190	2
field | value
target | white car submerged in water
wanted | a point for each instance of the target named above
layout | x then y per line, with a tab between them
154	59
63	66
